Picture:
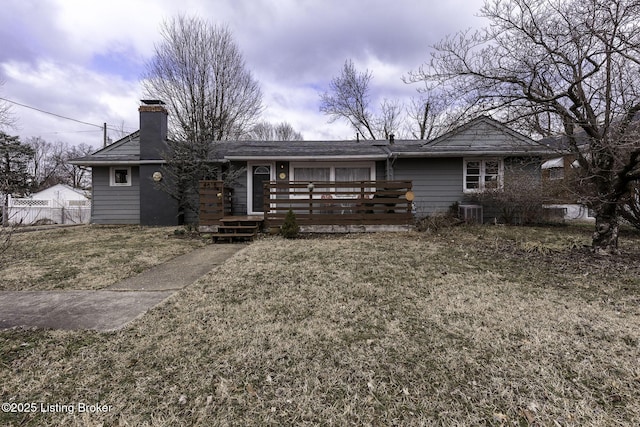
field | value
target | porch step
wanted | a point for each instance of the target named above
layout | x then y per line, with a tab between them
233	229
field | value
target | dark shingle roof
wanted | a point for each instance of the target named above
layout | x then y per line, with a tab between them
480	137
254	150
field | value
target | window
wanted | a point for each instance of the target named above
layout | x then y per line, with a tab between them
353	174
322	171
312	174
328	172
120	176
483	174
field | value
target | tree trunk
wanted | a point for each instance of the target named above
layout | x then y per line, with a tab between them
605	237
5	211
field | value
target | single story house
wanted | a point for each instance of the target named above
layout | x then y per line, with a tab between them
447	170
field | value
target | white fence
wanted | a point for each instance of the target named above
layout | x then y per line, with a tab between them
33	211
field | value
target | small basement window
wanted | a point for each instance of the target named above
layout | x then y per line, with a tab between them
120	176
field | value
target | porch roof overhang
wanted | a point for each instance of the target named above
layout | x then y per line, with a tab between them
308	158
114	162
475	152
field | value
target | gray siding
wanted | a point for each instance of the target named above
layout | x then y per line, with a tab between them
437	182
115	205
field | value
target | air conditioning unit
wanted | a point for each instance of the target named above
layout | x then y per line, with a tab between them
471	214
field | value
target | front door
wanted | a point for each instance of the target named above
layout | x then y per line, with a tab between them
261	174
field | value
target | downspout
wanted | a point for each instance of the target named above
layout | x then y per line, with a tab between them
391	159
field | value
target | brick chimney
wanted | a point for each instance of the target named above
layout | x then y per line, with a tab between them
153	129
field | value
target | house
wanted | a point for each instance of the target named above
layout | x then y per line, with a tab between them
559	175
59	204
124	175
447	170
563	203
444	171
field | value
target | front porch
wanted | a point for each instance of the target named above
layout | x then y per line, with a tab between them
322	206
340	206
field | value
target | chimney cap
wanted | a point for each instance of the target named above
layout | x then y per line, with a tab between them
152	102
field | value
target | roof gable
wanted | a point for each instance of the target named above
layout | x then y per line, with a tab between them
482	133
127	146
123	151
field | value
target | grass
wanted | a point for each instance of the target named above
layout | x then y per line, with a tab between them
471	326
90	257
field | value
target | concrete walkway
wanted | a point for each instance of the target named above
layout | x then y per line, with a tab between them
114	307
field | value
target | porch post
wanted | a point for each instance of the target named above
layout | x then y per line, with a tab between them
310	188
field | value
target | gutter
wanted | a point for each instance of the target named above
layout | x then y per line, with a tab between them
457	153
126	162
116	162
306	158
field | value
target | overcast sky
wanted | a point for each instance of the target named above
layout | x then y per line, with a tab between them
82	59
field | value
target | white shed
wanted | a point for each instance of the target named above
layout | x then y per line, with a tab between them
59	204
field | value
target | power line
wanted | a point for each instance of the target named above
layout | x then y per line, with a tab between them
60	116
68	131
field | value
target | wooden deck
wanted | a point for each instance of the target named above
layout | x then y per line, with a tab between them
329	206
379	203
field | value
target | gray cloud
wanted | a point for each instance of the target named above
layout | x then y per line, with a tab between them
83	59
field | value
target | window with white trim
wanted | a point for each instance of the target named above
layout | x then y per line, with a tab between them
120	176
483	174
359	171
331	172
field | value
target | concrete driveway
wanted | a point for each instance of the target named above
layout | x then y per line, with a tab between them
114	307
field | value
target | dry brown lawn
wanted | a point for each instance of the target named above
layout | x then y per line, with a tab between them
89	257
478	326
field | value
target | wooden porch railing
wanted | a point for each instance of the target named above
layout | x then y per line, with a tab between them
339	203
215	202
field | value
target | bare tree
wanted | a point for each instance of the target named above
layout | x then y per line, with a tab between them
44	165
432	113
285	132
567	67
429	116
73	175
199	72
262	131
389	122
265	131
631	209
349	98
6	117
50	163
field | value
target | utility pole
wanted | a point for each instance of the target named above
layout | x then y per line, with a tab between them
104	135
